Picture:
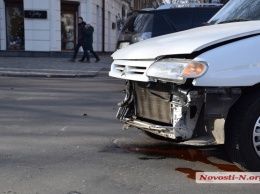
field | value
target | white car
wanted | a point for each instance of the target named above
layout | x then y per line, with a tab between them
200	86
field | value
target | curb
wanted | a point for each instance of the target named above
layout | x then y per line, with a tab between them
49	74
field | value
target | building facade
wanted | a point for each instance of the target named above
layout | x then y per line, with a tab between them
51	25
141	4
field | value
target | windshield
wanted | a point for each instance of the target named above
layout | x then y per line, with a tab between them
237	10
129	23
138	23
143	23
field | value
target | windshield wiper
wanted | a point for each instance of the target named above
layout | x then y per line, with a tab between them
234	20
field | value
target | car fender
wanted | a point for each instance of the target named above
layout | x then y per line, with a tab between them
232	64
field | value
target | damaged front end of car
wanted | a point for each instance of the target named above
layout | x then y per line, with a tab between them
170	106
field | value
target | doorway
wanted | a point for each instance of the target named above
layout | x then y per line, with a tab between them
68	25
14	25
68	30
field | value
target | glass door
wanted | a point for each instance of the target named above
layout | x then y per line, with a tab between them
14	26
68	29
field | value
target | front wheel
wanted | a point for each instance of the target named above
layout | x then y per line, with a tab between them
243	132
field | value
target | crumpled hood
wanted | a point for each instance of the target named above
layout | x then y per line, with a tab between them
188	41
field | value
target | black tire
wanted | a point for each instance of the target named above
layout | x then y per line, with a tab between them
240	125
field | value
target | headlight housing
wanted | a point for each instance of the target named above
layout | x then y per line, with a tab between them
176	70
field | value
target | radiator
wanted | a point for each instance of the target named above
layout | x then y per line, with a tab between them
152	102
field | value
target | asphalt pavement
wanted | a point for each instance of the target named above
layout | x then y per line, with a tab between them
53	67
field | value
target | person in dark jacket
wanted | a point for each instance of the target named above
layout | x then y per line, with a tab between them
89	43
82	38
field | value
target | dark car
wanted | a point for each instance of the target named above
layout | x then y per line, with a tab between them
145	24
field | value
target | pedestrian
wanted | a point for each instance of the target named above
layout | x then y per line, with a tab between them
89	44
82	38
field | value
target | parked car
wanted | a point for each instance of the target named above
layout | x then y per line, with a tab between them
200	86
145	24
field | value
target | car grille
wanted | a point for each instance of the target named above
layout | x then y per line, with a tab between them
153	102
130	69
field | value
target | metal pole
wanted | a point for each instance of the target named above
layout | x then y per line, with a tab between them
103	25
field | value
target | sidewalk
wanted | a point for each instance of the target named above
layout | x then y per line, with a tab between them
52	67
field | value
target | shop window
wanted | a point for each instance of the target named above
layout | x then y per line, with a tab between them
68	24
15	25
68	31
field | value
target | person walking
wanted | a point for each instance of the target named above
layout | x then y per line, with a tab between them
89	30
82	39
